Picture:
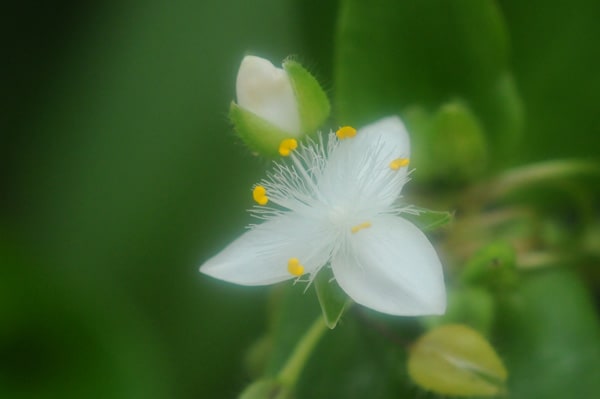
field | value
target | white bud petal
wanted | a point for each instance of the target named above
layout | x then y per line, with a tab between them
266	91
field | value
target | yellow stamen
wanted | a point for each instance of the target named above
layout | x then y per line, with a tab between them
260	195
295	268
287	146
359	227
398	163
345	132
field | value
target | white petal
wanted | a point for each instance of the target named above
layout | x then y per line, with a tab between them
358	173
390	129
391	267
260	256
267	92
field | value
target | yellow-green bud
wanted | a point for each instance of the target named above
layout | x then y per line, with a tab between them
456	360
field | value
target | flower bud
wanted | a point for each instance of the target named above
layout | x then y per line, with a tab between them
275	104
450	144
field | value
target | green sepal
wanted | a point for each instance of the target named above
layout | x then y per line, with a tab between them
332	298
456	360
259	135
313	104
428	220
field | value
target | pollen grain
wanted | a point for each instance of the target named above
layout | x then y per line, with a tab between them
295	268
345	132
399	163
260	195
287	146
359	227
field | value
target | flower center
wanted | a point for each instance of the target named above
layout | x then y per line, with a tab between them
342	219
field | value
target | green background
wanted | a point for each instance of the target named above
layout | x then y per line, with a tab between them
121	174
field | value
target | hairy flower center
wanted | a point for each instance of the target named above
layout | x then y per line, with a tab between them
344	220
338	216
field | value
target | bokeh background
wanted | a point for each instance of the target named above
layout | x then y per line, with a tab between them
121	174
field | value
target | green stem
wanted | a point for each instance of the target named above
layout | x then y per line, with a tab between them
291	370
529	175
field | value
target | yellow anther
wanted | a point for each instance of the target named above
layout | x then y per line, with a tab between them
295	268
260	195
287	146
345	132
359	227
398	163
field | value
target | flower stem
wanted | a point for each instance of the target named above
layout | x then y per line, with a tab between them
291	370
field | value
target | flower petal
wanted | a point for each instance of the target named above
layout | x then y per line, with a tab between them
359	172
267	91
260	256
392	131
391	267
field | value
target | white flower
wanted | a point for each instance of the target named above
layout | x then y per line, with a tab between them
335	203
267	91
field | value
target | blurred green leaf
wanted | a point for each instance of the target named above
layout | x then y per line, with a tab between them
391	55
493	266
472	306
549	336
456	360
555	58
266	389
332	298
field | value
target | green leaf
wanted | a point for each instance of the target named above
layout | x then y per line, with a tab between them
559	86
456	360
428	220
549	335
332	298
313	104
395	54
